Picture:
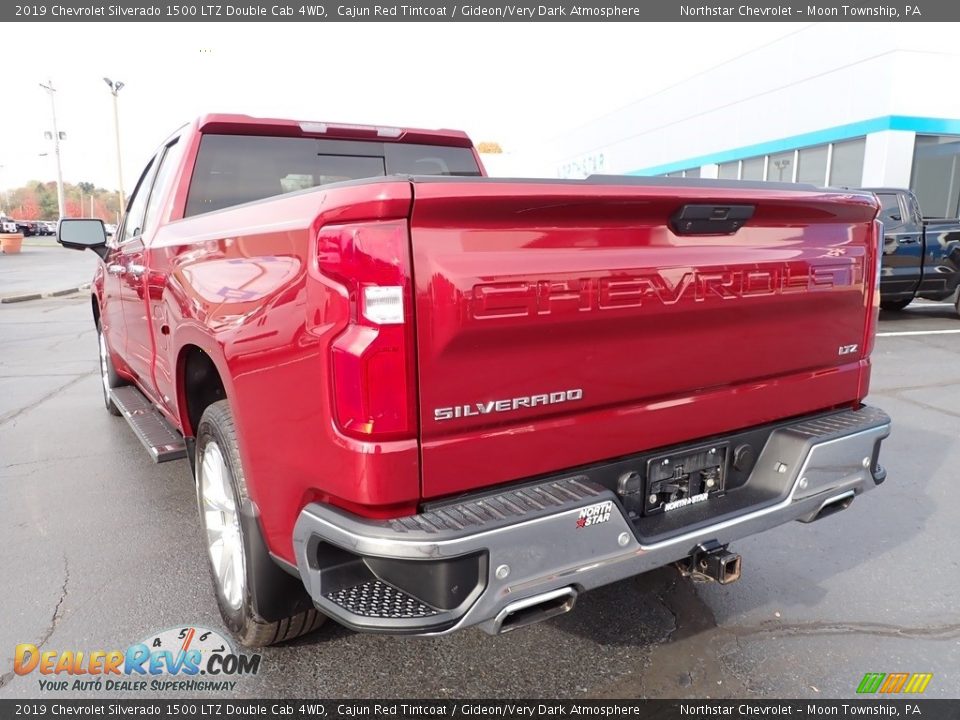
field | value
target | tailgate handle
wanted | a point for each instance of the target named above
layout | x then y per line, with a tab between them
710	219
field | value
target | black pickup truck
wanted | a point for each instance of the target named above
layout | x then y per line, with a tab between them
921	256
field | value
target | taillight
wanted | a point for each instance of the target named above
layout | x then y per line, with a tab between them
372	359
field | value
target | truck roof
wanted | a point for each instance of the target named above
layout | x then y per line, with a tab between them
246	125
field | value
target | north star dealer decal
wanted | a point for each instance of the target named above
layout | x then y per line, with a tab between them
685	501
594	514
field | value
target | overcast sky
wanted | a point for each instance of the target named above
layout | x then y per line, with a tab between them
509	82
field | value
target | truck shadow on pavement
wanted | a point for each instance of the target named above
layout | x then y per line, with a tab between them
609	633
918	313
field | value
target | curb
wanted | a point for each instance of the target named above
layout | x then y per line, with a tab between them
39	296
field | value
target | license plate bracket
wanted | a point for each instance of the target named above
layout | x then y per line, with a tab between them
681	479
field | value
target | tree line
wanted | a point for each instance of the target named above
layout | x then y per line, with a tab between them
38	201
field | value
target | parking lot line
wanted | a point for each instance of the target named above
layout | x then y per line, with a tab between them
918	332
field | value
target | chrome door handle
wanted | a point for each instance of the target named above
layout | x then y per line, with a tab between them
136	270
115	269
907	240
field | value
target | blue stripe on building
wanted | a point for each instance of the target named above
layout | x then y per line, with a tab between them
926	125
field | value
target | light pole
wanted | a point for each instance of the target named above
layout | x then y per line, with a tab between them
115	88
781	165
56	145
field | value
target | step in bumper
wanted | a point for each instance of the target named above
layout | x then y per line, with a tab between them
464	564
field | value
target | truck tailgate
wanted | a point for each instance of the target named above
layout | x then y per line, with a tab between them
563	323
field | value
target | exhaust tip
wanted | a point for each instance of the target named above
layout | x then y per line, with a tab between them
835	505
535	609
831	506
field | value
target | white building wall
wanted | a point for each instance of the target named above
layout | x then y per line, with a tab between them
888	158
513	165
803	88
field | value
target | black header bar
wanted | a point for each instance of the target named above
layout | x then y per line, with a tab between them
219	708
481	11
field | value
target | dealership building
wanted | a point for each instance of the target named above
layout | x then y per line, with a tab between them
831	104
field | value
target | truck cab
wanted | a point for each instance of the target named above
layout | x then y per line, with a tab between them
921	256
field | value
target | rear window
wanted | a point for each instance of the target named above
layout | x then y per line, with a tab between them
889	203
889	207
234	169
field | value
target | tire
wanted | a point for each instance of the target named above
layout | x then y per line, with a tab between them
260	603
894	305
108	375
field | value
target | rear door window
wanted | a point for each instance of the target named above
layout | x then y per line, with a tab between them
890	212
235	169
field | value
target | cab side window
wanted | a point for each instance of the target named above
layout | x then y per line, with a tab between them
161	185
890	212
137	205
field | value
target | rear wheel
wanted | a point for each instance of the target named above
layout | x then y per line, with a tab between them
259	602
108	375
894	305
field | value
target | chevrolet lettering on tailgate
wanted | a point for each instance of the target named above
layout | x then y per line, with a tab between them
636	289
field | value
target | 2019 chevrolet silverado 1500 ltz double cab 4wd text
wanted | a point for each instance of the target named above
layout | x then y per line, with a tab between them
417	399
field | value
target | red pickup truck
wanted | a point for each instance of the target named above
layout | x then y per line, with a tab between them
417	399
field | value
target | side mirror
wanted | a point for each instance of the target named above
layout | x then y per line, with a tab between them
83	234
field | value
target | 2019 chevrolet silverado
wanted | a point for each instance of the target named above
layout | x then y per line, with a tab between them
921	256
416	399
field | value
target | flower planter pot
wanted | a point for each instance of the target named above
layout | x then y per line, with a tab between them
10	243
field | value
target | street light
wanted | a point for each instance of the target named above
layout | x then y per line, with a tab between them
115	88
56	136
781	165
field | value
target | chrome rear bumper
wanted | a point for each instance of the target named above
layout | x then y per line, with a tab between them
490	554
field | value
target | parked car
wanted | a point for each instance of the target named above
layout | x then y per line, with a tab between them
110	229
416	399
49	227
27	227
921	256
8	225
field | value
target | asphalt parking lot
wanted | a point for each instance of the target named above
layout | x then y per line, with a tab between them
99	547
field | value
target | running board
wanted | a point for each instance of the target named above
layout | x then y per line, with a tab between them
160	439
